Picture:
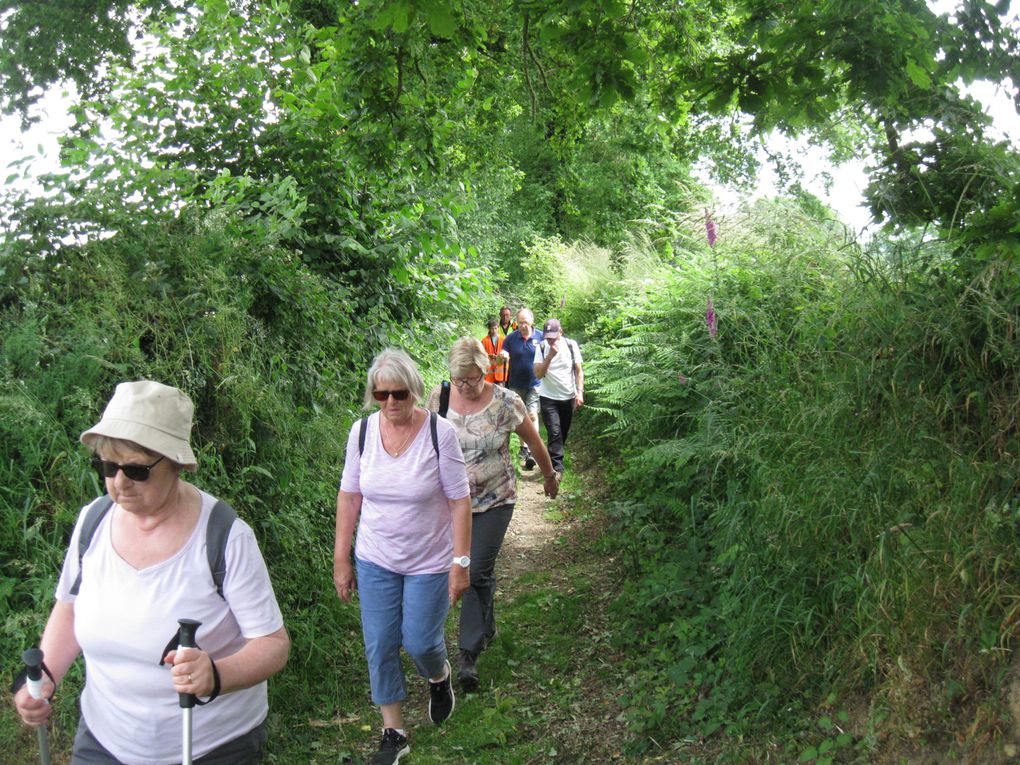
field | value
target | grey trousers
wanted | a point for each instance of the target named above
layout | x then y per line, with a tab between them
477	612
246	749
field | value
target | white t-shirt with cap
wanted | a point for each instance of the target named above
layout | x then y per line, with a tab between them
559	382
123	619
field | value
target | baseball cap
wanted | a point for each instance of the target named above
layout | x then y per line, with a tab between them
552	329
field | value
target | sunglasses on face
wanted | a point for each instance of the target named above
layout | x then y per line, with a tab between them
107	469
399	395
460	382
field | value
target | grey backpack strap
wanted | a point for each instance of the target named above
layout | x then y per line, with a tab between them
93	517
363	423
221	520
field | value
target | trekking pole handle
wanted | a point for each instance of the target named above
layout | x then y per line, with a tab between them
33	659
186	634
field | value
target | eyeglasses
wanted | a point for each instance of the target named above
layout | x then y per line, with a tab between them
399	395
107	469
460	382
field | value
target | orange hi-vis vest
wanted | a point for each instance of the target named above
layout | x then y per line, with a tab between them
499	369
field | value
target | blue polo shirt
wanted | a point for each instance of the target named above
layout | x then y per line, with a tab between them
522	358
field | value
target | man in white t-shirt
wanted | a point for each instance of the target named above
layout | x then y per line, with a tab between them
561	387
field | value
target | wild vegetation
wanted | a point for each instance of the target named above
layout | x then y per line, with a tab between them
811	442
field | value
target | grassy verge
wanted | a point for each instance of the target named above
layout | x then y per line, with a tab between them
549	687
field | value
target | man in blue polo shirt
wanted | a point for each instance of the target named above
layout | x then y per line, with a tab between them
519	346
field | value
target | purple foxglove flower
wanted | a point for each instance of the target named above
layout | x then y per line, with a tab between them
710	232
563	301
682	378
710	318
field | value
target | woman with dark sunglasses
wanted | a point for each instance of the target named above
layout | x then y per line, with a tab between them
144	568
408	497
484	416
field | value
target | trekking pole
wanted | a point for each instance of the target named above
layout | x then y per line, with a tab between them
187	700
33	659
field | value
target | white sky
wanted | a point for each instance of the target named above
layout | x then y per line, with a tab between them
844	196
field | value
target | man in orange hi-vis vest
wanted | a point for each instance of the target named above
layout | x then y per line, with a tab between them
498	364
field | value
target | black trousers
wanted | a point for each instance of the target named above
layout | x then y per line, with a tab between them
477	610
556	416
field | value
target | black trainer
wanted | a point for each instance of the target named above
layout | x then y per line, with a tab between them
467	675
529	463
441	698
392	747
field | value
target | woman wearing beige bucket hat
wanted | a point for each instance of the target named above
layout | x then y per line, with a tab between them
141	567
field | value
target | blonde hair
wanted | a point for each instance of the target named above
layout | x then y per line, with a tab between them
467	355
394	364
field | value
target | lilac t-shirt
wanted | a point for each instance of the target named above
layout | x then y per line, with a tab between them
406	526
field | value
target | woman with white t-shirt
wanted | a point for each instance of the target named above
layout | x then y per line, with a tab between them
485	415
405	489
144	568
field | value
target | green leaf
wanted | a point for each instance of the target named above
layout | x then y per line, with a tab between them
440	19
918	75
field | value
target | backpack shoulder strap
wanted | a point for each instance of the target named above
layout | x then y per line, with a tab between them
573	358
221	520
363	424
444	399
433	427
93	516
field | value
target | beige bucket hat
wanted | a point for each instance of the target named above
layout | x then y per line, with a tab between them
152	415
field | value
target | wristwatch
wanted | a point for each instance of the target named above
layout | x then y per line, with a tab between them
463	561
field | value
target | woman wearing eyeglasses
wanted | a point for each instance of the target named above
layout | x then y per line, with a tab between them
484	415
145	566
405	488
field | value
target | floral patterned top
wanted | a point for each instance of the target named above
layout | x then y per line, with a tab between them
485	440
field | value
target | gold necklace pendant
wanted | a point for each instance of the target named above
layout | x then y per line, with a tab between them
396	452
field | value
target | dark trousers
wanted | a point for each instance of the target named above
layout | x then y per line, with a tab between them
556	416
246	749
477	610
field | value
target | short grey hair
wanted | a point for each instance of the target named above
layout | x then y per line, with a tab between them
530	316
468	358
394	364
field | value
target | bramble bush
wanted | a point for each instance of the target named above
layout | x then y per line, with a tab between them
273	356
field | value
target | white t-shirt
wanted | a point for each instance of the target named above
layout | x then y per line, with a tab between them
124	618
559	382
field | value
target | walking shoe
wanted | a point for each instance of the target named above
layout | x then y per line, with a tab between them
467	675
392	747
529	463
441	698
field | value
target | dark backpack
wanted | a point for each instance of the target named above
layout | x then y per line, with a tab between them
221	519
444	407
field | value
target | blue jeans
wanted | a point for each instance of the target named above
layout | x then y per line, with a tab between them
401	611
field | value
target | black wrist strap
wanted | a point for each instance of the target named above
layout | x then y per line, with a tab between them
22	677
216	684
173	645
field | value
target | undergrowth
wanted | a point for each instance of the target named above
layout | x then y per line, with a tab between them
818	494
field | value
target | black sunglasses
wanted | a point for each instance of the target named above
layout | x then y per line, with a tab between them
382	395
107	469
